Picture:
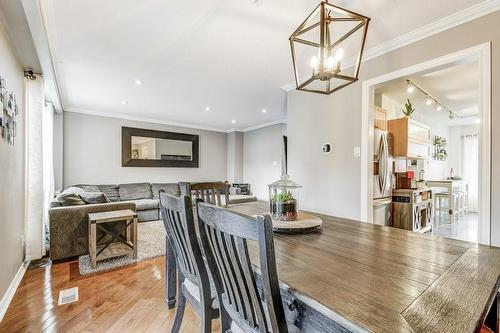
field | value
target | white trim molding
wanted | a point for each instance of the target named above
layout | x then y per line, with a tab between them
11	291
269	123
446	23
172	123
481	53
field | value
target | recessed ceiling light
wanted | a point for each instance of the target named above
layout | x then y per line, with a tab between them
264	111
410	88
138	82
429	101
124	102
439	108
207	108
233	121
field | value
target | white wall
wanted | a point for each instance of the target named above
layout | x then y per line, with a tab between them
263	151
12	170
92	153
332	182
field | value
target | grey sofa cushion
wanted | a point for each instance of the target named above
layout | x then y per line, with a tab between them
111	192
135	191
91	188
94	197
70	197
145	204
169	188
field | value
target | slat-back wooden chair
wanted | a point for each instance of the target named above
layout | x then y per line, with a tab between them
209	192
193	280
224	235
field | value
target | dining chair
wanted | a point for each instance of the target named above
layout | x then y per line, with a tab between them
193	280
209	192
223	236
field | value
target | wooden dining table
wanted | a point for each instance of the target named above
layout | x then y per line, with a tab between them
357	277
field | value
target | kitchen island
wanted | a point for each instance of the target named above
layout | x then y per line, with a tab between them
358	277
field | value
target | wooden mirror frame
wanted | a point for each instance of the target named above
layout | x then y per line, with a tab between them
129	132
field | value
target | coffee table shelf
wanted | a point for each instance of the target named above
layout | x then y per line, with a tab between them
117	245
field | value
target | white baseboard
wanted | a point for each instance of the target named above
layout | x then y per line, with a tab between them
9	294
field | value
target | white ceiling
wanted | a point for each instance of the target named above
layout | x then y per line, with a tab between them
456	87
231	55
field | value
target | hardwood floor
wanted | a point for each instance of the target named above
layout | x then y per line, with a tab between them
129	299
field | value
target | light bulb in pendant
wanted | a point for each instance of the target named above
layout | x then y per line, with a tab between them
314	62
330	62
410	88
339	55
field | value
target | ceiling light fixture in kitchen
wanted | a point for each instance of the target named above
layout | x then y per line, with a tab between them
429	100
325	37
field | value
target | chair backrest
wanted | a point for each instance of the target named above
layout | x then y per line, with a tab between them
209	192
177	215
224	236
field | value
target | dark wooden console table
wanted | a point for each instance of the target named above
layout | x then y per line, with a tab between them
359	277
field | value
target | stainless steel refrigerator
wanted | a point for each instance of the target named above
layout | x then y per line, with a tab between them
382	178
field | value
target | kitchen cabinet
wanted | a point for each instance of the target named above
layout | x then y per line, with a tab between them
412	209
410	138
380	118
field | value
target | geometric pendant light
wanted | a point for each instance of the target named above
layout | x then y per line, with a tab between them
320	44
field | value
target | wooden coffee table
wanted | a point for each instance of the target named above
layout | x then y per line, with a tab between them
117	245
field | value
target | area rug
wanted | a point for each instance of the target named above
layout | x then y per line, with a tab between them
151	240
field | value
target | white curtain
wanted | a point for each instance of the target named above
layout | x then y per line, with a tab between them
470	169
47	161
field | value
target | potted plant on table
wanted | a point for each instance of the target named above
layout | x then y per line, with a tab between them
283	199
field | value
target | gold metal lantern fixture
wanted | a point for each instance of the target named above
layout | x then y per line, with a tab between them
320	44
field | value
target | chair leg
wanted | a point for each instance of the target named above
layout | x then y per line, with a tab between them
179	312
225	320
206	322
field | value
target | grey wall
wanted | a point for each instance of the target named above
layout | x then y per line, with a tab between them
263	149
58	151
332	182
235	157
12	167
92	153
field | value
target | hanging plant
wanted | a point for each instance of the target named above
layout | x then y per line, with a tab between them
408	109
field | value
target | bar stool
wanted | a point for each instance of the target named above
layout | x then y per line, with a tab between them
442	204
461	203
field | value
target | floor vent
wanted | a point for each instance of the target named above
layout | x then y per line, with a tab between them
68	296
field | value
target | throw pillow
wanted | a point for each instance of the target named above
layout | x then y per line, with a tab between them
94	197
70	197
111	192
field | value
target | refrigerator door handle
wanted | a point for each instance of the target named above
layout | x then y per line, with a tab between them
382	164
386	162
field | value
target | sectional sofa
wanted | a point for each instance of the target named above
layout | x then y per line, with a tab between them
69	225
68	219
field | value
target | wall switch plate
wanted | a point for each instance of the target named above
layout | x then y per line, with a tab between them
356	152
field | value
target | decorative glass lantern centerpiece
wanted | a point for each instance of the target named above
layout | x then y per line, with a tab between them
284	199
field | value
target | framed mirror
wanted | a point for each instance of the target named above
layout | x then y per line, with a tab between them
150	148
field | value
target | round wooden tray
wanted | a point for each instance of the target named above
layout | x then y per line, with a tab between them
305	223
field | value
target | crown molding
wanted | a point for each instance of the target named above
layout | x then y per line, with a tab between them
446	23
170	123
144	119
269	123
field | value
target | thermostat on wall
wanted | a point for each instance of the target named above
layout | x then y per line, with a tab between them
327	148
